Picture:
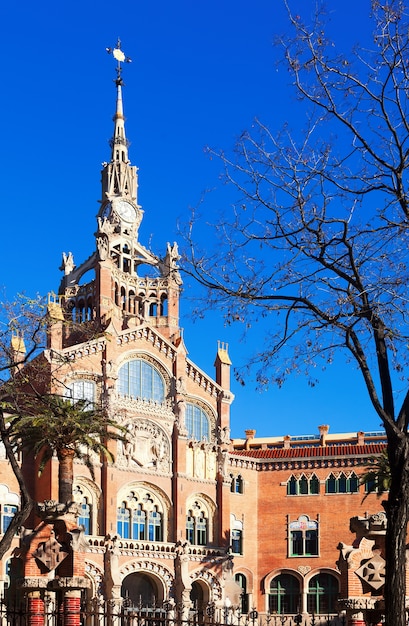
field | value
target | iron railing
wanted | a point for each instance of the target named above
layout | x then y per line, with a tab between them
98	612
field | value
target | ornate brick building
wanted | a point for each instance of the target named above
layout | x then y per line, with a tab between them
184	514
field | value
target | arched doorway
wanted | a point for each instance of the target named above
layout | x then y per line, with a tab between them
141	590
199	597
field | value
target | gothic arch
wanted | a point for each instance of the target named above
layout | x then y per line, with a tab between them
96	576
151	497
145	356
199	502
210	582
249	577
161	576
265	584
85	487
322	570
144	485
7	496
208	410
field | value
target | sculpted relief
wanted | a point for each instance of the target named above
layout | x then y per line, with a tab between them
147	447
201	462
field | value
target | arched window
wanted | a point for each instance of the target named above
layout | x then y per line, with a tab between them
342	483
122	521
86	498
139	523
322	594
197	422
236	531
244	598
292	486
303	485
139	517
163	304
131	302
7	513
155	525
139	379
153	307
85	516
236	485
81	390
284	596
303	537
197	526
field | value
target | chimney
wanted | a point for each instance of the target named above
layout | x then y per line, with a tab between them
323	430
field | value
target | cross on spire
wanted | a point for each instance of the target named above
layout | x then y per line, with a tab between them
120	57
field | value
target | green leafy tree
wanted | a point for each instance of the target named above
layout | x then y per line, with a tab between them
317	242
70	430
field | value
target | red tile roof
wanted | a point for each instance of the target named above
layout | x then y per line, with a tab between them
346	450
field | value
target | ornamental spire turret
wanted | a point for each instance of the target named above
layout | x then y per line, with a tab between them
119	177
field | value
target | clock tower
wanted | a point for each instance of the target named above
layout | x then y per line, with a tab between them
131	285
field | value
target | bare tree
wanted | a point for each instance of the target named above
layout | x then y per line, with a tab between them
318	239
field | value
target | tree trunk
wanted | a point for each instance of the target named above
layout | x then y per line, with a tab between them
26	500
65	475
395	542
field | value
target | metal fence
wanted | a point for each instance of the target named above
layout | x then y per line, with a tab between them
102	613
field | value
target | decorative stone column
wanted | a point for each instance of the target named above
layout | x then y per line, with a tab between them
112	581
183	585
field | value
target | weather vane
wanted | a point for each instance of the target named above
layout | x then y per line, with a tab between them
120	57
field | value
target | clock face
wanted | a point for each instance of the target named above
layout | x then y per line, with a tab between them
125	210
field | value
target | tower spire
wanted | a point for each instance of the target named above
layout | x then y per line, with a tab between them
119	177
119	144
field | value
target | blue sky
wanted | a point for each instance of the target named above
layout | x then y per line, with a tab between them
201	72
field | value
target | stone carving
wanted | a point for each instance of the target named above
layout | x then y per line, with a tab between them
70	582
373	572
68	264
304	569
105	226
111	562
146	447
34	582
356	603
223	435
223	463
169	265
373	525
199	463
181	386
102	245
51	553
211	465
